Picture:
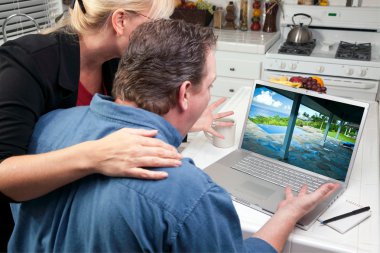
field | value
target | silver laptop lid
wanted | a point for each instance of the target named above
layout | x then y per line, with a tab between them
300	128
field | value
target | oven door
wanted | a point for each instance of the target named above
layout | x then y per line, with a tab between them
359	89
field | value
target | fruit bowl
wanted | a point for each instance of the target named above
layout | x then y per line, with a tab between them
199	12
314	83
195	16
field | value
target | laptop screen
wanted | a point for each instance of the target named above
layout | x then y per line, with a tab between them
314	132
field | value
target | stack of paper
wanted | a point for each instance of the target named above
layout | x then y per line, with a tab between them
342	206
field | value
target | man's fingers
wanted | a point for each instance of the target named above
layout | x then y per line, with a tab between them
323	192
215	133
223	114
303	190
288	193
326	190
224	123
217	103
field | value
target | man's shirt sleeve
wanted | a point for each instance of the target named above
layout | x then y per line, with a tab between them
213	226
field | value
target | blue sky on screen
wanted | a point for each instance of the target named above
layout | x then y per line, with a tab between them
273	101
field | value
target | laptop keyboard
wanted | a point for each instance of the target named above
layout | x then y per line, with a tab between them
277	174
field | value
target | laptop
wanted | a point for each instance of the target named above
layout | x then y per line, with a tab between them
291	136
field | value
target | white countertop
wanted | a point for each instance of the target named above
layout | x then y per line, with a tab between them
254	42
363	188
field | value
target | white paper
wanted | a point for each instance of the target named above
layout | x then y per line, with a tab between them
342	206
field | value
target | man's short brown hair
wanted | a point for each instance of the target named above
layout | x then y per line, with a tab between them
162	55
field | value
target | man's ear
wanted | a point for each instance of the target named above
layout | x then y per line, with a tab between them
119	21
184	95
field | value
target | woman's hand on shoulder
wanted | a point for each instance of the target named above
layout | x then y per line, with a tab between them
126	152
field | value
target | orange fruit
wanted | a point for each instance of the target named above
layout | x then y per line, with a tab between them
319	80
256	12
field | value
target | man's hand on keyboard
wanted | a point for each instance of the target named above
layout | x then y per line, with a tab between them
278	228
297	206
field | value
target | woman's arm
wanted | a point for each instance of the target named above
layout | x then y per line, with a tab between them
30	176
28	91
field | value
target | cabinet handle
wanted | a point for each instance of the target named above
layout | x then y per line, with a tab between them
232	69
231	90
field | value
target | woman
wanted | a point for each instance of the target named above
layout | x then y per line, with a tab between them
65	68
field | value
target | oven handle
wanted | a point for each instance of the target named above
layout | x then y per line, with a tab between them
329	82
358	85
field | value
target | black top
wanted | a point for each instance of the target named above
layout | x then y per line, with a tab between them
38	73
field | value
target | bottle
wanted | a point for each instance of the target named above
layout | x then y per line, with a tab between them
271	9
230	16
218	16
256	13
244	15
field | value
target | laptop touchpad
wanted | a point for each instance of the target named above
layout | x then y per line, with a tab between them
257	190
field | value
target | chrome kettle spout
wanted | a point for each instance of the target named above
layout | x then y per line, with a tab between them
5	22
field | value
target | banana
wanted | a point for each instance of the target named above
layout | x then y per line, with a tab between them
284	80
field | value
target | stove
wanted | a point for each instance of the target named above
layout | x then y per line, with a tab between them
354	51
345	53
297	48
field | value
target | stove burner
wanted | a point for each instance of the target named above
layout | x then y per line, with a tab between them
297	48
351	51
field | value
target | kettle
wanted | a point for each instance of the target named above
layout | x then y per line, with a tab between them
300	33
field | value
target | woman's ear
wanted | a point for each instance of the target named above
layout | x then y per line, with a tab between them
119	21
184	95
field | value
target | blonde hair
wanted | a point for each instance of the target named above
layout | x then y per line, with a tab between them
99	11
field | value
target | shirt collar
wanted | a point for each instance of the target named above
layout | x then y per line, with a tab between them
106	107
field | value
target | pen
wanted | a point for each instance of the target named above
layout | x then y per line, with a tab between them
342	216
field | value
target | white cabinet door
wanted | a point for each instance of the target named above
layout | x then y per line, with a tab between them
238	65
227	87
235	70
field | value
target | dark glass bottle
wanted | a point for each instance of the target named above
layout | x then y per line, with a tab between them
230	16
271	9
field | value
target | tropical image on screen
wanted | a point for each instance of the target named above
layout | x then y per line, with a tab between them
312	133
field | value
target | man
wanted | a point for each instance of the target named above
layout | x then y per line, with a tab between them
163	83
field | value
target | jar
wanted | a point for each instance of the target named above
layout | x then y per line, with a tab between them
271	9
218	17
230	16
244	15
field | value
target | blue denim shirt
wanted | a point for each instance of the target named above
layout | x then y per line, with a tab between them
185	212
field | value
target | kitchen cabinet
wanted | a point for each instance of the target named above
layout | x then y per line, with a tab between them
235	70
239	56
